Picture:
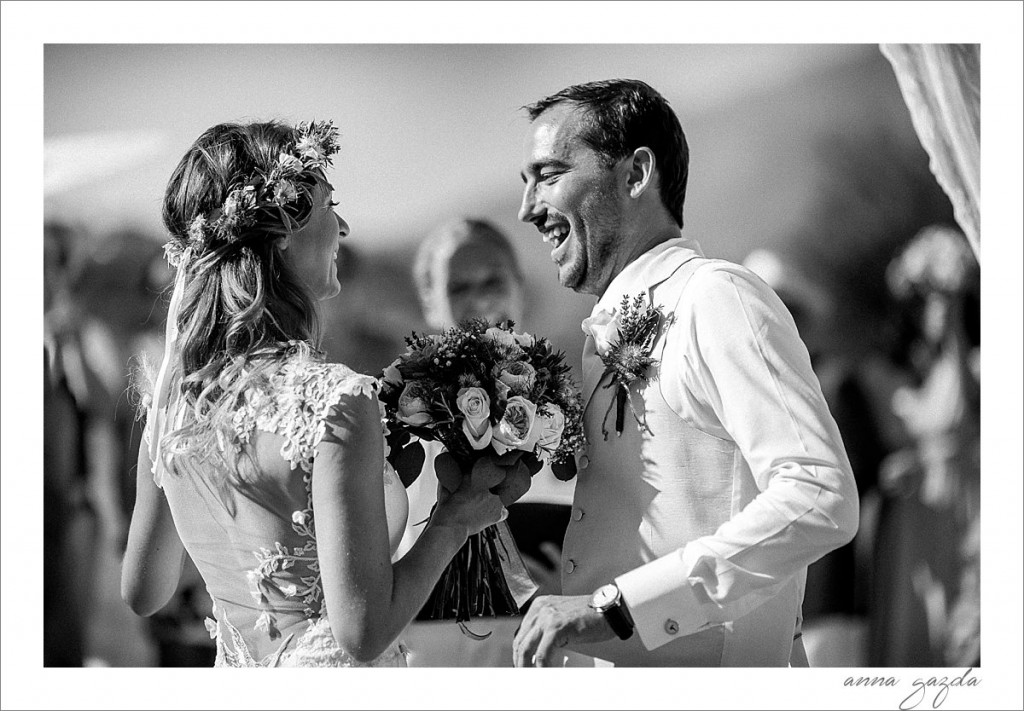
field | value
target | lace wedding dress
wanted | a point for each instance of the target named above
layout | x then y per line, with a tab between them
253	538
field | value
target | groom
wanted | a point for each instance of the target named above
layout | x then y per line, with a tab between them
693	527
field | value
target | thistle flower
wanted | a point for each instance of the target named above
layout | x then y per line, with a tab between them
309	150
631	361
316	142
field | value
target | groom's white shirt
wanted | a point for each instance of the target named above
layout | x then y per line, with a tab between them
708	517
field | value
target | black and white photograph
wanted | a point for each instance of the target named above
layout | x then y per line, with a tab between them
637	338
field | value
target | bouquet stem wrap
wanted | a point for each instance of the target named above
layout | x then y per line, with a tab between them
486	578
520	584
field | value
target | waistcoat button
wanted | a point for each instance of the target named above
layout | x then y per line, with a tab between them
577	514
570	565
671	626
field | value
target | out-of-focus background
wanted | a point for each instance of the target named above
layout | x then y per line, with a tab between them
805	148
805	163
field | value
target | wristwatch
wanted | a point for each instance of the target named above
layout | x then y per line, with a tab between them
607	600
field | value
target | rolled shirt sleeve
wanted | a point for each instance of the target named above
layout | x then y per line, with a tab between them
739	371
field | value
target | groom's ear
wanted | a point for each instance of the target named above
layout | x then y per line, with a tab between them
640	172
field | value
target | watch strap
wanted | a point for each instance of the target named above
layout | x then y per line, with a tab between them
618	617
619	621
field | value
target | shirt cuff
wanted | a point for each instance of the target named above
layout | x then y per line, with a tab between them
661	601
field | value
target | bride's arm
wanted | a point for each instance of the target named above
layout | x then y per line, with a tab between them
370	600
155	555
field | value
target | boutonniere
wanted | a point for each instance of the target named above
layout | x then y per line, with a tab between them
628	356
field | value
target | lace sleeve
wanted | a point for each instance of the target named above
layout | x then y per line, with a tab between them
310	391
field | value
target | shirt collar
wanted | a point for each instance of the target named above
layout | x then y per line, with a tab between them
647	271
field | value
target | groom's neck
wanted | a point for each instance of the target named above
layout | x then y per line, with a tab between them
638	245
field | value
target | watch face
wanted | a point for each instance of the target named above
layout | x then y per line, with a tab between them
605	596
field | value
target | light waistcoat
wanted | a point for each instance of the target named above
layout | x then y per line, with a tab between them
649	492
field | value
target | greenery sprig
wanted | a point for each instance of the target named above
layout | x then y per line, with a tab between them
629	358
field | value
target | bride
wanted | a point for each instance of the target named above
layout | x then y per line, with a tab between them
262	462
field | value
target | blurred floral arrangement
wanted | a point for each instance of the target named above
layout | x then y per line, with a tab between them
478	389
262	194
938	259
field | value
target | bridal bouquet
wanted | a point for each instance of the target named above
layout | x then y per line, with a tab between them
479	389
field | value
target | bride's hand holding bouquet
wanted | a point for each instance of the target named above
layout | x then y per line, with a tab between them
501	403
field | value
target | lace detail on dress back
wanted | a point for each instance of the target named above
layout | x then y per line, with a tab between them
270	516
296	406
315	648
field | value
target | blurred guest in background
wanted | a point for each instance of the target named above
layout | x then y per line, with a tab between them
378	309
117	292
118	289
466	269
84	353
69	520
86	377
835	605
926	595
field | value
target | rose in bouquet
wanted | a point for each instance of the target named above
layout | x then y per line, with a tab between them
482	390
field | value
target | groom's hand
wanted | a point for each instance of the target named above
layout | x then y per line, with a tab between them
554	622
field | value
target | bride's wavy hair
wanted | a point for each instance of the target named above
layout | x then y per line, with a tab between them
242	308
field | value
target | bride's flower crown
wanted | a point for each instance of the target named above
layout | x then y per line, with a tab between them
267	192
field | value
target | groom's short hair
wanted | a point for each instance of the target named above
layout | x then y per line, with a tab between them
622	115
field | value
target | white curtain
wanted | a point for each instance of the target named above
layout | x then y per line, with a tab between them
941	84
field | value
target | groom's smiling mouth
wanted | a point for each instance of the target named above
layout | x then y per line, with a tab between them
556	235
